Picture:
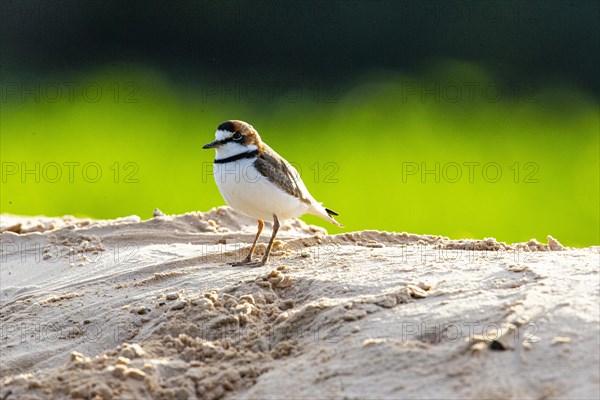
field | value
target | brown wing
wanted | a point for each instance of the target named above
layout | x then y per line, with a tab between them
270	165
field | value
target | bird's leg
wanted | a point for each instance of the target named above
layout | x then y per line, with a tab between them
268	251
261	225
248	258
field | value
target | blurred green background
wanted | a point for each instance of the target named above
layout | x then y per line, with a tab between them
465	121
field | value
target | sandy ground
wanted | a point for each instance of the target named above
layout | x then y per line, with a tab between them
131	309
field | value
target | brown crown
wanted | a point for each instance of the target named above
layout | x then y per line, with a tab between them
250	134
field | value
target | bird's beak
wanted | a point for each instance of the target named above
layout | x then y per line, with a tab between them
211	145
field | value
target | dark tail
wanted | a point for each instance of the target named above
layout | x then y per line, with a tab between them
331	212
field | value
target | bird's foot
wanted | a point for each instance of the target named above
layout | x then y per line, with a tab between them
240	263
246	262
255	264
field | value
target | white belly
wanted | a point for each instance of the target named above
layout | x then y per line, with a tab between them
246	190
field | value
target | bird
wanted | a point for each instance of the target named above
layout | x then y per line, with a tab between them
256	181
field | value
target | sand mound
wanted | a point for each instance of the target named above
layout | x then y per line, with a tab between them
216	220
151	309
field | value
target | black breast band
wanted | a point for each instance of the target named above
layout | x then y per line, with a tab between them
248	154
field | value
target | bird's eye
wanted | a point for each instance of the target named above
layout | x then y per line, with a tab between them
237	136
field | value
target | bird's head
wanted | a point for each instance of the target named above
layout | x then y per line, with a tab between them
234	137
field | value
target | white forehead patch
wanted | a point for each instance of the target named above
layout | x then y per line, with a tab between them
222	135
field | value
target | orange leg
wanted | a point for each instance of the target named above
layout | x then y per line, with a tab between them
248	258
275	229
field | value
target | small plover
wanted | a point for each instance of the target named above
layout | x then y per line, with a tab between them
258	182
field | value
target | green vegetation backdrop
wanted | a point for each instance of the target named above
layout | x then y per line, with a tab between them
376	151
451	147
